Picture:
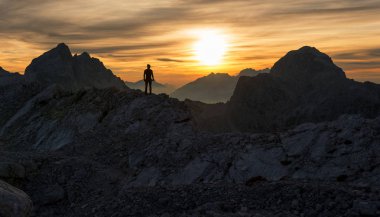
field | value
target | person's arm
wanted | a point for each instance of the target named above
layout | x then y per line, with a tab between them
144	75
152	76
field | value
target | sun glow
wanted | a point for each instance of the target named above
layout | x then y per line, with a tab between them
210	48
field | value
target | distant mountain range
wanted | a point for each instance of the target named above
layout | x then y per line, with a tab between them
156	86
213	88
303	86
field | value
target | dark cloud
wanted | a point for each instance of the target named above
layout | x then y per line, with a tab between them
134	47
169	60
359	65
23	18
363	53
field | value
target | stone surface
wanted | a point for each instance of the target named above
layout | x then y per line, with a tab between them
11	170
14	202
51	194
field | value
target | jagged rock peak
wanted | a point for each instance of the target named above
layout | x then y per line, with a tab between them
307	63
63	46
85	54
61	49
58	66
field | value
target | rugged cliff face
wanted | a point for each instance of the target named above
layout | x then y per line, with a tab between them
58	66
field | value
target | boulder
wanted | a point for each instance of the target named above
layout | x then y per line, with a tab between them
13	201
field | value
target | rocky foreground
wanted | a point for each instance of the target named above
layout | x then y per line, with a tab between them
117	152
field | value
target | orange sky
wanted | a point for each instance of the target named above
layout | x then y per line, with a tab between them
126	35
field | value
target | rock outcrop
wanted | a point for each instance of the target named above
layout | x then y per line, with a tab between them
14	202
58	66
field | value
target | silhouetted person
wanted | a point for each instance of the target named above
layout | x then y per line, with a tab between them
148	78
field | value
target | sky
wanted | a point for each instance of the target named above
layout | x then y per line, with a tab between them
126	35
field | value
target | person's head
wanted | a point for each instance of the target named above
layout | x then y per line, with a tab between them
148	66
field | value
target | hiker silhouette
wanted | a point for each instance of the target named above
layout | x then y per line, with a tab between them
148	78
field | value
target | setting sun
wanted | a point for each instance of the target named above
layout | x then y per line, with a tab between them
210	48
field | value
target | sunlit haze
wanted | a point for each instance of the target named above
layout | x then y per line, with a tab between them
184	40
210	48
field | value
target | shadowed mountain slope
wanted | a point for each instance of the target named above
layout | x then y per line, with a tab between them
303	86
58	66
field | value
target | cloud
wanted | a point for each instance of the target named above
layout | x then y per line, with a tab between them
169	60
359	60
134	47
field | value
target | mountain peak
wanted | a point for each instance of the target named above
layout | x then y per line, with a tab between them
307	64
62	46
85	54
58	66
62	49
309	49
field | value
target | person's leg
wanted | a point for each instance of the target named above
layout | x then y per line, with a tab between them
146	86
150	87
